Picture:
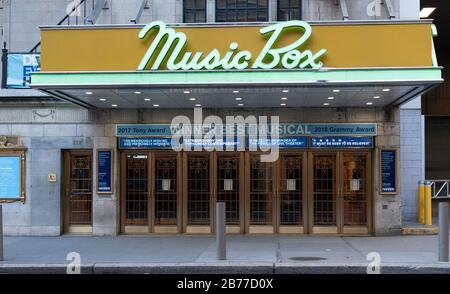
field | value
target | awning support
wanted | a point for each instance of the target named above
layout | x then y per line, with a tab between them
344	9
390	11
98	6
144	5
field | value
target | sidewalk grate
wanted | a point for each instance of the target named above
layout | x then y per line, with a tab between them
307	258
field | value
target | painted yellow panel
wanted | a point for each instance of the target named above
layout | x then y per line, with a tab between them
348	45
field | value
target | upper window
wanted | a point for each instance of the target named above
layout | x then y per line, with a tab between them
241	10
289	9
194	11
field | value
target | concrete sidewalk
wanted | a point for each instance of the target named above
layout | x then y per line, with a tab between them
246	254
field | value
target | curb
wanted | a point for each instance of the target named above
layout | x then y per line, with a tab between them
226	268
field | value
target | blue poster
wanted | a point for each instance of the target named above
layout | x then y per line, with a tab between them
166	143
388	165
9	177
151	143
341	142
219	144
104	170
283	143
20	67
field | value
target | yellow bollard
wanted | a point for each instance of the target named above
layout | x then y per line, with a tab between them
420	203
427	201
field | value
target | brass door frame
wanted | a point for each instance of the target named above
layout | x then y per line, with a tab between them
212	164
339	154
241	156
123	155
178	156
369	194
67	154
152	155
275	201
304	181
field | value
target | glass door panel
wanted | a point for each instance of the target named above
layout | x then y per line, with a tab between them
354	190
165	187
324	190
228	186
80	189
291	194
198	193
136	189
261	191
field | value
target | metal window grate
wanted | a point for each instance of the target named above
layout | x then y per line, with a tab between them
355	190
291	196
289	10
198	190
80	197
261	192
194	11
241	10
136	184
324	193
228	187
166	190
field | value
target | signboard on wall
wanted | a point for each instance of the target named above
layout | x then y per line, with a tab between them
341	142
284	142
10	177
105	171
388	168
285	129
20	67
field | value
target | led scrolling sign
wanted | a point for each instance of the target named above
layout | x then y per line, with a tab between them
172	51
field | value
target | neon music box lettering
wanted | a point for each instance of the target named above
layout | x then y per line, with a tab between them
171	46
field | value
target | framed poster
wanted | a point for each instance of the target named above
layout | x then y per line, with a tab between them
12	176
388	171
105	169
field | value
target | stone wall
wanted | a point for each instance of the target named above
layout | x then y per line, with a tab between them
74	128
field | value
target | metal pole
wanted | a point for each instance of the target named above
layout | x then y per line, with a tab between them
421	202
427	204
443	231
220	231
1	233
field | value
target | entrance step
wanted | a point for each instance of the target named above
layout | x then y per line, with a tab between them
416	229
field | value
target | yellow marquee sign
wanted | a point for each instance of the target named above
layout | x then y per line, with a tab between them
284	45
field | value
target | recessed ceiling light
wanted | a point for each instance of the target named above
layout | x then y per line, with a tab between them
283	98
155	105
192	99
282	104
386	90
369	103
426	12
198	105
137	92
330	98
326	104
114	105
336	91
88	93
235	91
102	99
147	99
240	104
238	98
286	91
376	97
186	92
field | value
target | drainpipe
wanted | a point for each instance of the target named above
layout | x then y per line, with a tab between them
4	65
